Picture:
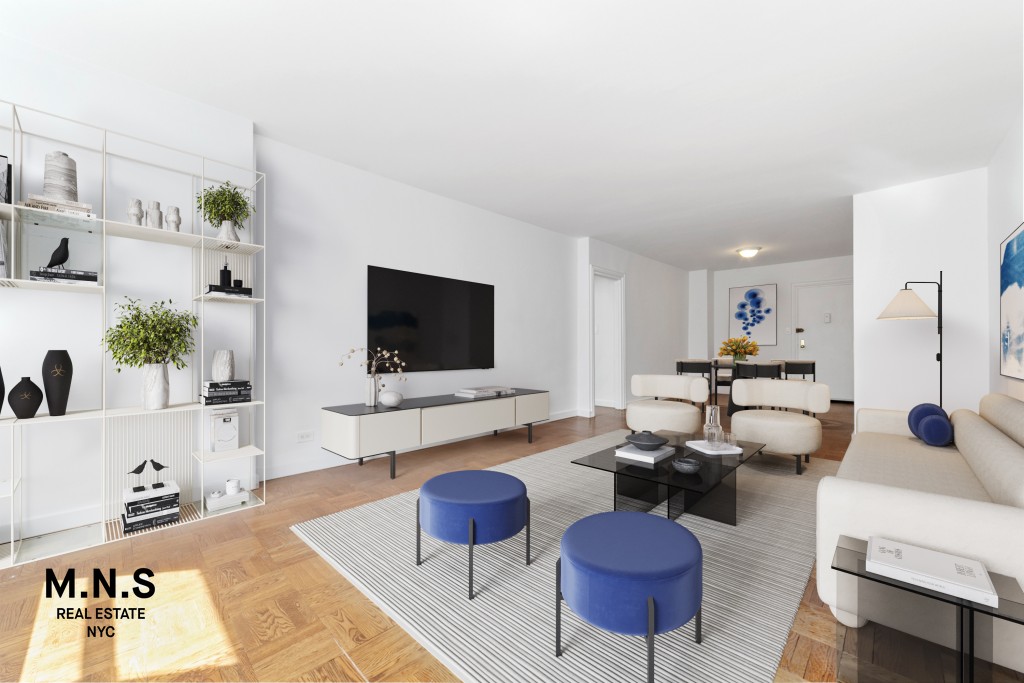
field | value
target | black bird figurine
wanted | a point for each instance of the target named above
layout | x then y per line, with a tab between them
137	471
157	466
60	255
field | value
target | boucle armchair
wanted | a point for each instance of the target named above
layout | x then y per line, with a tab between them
784	432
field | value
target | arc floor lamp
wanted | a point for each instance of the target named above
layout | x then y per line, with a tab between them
907	305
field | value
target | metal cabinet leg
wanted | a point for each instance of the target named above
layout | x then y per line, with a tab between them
527	531
529	433
360	462
418	560
472	535
392	464
558	607
650	639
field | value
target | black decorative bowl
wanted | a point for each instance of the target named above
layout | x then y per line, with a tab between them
686	465
646	441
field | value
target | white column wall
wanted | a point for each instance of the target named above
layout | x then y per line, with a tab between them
911	232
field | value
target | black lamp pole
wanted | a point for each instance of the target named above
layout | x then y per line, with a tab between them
938	356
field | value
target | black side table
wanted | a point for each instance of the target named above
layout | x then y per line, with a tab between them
850	557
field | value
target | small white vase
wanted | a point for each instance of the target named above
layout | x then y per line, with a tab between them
172	221
391	399
372	390
135	212
156	390
223	368
154	216
227	232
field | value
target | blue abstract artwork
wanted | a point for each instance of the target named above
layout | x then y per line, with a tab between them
752	313
1011	304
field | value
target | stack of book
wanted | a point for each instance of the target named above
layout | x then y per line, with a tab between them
961	577
634	454
150	507
69	277
64	206
222	393
221	290
484	392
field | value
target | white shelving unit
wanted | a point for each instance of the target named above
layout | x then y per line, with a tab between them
110	163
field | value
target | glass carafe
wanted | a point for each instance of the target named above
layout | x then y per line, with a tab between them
713	433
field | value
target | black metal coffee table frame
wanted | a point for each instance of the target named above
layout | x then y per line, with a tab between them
709	493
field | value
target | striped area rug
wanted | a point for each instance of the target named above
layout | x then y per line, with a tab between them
754	576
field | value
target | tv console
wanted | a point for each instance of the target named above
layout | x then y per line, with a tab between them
356	431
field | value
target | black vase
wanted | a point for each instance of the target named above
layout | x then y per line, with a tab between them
2	394
57	372
25	399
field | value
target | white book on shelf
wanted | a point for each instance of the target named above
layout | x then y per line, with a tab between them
960	577
465	393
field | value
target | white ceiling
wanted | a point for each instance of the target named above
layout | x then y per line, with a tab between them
677	129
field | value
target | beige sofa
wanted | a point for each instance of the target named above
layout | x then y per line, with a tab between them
966	499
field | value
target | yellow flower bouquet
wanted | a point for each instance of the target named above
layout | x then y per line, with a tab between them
739	348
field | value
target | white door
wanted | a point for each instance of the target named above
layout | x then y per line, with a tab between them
607	342
823	332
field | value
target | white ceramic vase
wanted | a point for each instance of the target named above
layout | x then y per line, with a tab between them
223	367
227	232
391	399
172	221
154	216
60	177
156	390
372	390
135	212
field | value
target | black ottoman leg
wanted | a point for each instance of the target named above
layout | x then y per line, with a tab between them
698	636
418	561
471	538
527	532
558	608
650	639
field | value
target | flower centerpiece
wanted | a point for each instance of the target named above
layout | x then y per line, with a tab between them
739	348
379	362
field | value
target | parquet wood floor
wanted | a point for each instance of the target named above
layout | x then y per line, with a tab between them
240	597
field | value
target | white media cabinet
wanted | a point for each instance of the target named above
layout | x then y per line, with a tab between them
357	431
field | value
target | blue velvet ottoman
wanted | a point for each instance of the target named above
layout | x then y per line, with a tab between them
473	507
631	573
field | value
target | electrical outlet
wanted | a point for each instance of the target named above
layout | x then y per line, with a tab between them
304	437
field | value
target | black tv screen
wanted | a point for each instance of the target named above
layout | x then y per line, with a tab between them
435	323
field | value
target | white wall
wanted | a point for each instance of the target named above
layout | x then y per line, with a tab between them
784	276
911	232
1005	213
607	339
701	319
327	222
656	313
62	477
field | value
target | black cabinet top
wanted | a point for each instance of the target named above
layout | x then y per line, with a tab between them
358	409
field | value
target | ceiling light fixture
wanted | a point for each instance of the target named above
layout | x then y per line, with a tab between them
748	252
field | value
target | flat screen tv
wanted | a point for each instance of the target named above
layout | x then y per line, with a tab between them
435	323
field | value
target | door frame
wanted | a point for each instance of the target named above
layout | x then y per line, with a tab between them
620	284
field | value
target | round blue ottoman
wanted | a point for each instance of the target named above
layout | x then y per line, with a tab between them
472	507
631	573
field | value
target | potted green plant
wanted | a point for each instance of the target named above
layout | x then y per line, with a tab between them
151	338
225	207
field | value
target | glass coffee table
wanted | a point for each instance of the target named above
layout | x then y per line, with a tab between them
709	493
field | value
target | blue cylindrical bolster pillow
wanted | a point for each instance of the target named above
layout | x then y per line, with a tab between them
919	413
936	430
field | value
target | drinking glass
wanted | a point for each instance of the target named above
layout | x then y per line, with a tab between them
730	439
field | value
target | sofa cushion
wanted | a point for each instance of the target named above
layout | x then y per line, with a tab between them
920	412
996	459
908	463
936	430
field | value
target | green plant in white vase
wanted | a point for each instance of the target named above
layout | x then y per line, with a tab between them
225	207
151	338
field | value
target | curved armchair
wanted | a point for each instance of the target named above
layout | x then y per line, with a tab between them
787	433
654	414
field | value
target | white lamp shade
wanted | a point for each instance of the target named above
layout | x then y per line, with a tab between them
906	305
